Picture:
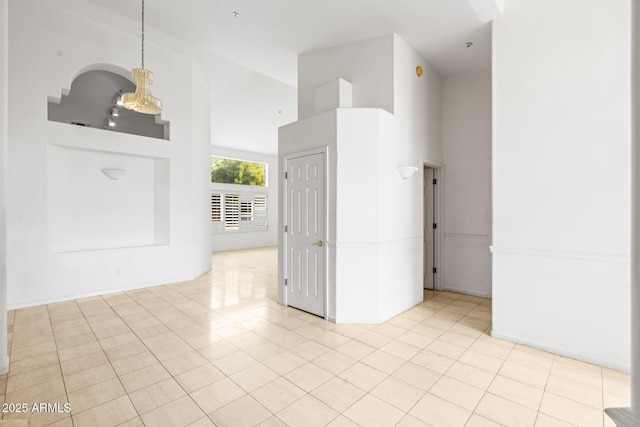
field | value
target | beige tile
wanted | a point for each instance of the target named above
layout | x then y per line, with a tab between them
253	377
234	362
438	412
245	411
34	350
355	350
75	340
199	377
126	350
288	339
373	339
214	396
180	412
144	377
217	351
415	339
457	392
411	421
88	377
531	358
308	376
434	361
400	349
156	395
545	420
470	375
95	395
482	361
533	377
297	414
492	347
383	361
184	362
338	394
202	422
134	363
389	330
334	362
371	411
363	376
81	363
42	392
284	362
342	421
135	422
277	394
505	412
35	362
517	392
478	421
309	350
417	376
570	411
33	377
398	393
578	373
108	414
575	391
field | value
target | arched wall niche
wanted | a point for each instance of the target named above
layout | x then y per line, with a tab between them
91	99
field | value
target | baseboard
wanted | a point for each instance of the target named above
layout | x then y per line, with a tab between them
467	292
561	352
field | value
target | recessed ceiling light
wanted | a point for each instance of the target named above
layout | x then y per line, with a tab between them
468	44
235	14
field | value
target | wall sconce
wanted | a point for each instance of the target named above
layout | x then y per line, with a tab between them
114	174
406	171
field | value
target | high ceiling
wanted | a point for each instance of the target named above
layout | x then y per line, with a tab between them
264	40
267	36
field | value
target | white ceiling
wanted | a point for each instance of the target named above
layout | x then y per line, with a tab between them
257	51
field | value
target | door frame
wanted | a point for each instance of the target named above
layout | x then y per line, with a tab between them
285	191
438	217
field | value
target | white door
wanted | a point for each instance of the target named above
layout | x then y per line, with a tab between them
305	231
429	230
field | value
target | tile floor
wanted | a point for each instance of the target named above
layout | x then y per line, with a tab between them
218	350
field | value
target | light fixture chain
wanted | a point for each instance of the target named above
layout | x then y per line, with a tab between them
143	34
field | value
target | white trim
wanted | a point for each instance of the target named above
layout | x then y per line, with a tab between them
468	292
552	253
561	352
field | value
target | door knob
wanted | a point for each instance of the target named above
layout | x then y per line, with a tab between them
318	243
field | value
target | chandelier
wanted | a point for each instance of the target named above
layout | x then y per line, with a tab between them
141	100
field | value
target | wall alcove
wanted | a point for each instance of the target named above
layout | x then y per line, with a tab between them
91	100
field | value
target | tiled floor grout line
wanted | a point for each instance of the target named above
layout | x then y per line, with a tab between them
454	324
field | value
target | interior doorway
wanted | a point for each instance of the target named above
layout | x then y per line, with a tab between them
305	212
430	210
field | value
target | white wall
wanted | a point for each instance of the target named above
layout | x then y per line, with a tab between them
232	240
467	183
165	189
375	217
561	177
365	64
4	89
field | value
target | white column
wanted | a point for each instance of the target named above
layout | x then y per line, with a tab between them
4	89
630	417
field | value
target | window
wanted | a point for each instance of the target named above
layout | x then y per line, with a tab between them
230	171
216	208
239	211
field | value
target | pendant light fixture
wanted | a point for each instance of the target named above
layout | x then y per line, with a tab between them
141	100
